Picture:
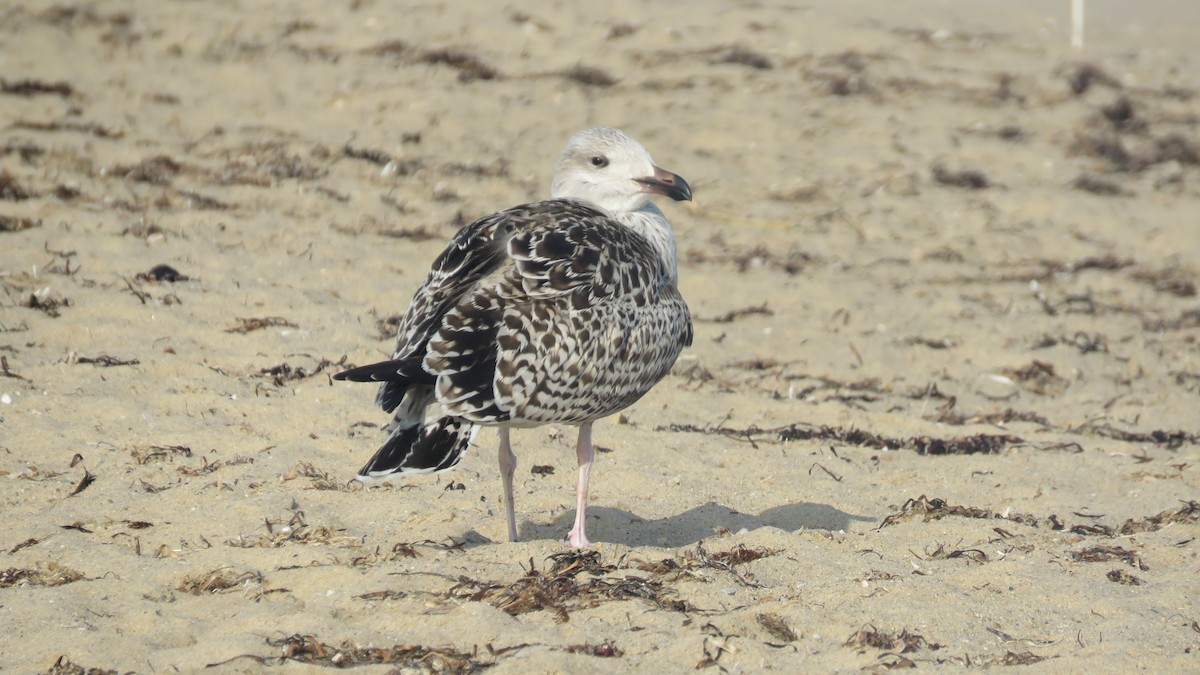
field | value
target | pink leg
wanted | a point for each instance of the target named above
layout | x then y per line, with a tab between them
508	465
577	537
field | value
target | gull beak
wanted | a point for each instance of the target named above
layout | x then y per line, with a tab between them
664	182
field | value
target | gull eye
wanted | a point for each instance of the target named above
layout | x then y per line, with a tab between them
599	161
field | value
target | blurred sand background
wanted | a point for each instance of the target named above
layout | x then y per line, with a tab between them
941	408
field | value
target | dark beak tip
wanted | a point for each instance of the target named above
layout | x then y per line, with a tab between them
682	191
668	184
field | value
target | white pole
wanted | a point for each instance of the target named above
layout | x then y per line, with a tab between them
1077	24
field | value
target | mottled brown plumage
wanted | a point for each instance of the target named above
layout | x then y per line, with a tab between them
556	311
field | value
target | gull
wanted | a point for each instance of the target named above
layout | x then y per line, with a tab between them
561	311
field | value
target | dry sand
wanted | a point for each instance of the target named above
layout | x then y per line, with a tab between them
941	407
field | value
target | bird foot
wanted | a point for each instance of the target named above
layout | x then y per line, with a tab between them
576	540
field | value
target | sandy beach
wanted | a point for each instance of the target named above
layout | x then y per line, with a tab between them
940	411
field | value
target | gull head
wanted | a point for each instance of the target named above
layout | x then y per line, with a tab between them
611	170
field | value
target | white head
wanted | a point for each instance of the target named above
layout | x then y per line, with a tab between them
611	170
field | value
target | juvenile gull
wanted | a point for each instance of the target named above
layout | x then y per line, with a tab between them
559	311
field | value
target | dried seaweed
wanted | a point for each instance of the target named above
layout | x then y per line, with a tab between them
1172	440
1190	381
932	343
6	371
157	453
870	637
66	192
1017	659
716	643
382	595
799	431
29	87
606	649
734	314
844	74
12	191
589	76
620	30
52	574
310	650
969	554
561	591
936	509
399	551
92	128
162	273
700	558
156	170
998	418
64	666
776	627
103	361
87	479
1086	343
972	179
220	580
1101	553
1133	152
1006	132
989	444
1045	269
26	151
262	164
321	479
207	467
47	304
1040	378
25	544
1084	76
1122	115
469	66
743	56
204	202
1120	576
253	324
411	233
790	262
293	530
1171	280
17	223
738	555
1189	318
979	443
1098	186
283	373
377	157
1188	513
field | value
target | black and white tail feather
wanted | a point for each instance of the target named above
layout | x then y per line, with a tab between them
414	447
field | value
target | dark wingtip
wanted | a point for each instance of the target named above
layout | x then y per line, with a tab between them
396	370
360	374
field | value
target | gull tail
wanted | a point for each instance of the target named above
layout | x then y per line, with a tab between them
421	449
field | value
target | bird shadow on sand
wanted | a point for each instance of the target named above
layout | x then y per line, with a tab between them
622	527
